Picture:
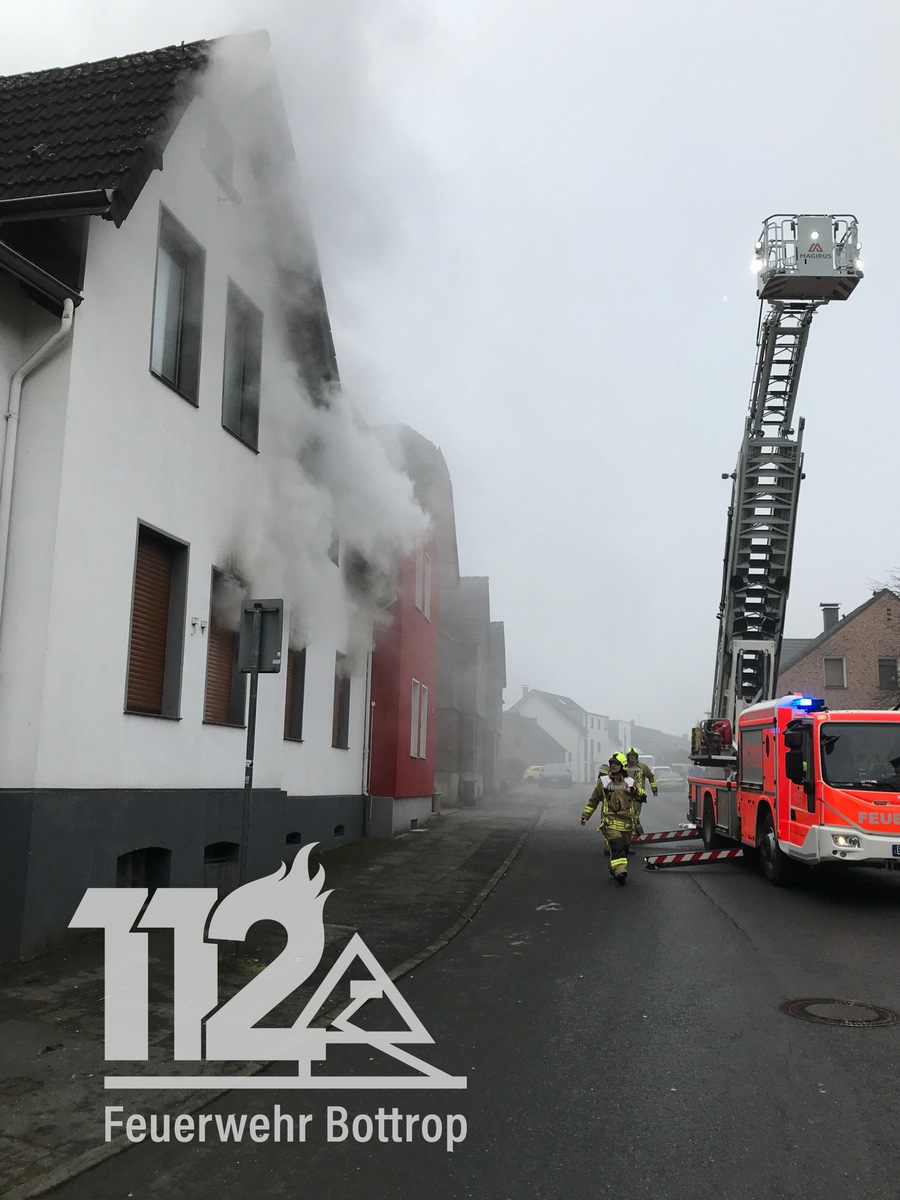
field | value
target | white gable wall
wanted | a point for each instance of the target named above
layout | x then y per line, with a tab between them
120	448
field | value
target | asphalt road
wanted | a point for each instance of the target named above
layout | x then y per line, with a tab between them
617	1042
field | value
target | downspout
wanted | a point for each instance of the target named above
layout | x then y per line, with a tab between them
11	433
368	720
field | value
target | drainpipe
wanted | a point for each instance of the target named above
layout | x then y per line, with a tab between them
11	432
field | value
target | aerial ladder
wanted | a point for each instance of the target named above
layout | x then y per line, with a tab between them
802	262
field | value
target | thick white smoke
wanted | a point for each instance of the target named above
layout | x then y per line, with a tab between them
326	477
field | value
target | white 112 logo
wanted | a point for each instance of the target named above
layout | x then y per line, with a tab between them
202	1030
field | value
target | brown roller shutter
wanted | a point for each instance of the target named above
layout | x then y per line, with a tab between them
219	668
289	694
294	689
149	625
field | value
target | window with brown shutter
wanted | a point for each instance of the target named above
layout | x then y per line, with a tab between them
157	626
225	685
340	722
294	690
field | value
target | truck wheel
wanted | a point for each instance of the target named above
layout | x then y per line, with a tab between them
711	839
776	865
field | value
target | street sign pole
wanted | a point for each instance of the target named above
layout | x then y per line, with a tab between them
251	745
259	652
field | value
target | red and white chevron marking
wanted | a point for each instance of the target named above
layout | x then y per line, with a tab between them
674	835
689	858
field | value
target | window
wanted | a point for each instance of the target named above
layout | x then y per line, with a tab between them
423	723
887	674
243	364
156	643
340	723
423	582
220	866
418	720
149	867
414	720
177	308
294	690
835	673
226	687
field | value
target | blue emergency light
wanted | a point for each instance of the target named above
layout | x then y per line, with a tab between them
809	703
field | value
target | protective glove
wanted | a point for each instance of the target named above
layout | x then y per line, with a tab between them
655	792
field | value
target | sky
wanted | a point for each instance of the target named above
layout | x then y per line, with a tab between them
535	221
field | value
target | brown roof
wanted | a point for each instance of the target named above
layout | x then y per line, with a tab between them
85	138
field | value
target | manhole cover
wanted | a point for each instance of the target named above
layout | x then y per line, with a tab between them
851	1014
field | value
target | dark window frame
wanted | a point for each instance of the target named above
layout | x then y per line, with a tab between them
243	359
340	717
887	674
832	658
174	240
236	717
173	653
295	693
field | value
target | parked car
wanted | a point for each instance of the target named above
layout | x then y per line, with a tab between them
532	775
555	775
668	780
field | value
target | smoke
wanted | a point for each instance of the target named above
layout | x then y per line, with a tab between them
323	477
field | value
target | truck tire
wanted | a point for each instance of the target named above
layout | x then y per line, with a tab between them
711	839
777	867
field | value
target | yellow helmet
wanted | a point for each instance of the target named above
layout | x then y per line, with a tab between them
620	758
632	750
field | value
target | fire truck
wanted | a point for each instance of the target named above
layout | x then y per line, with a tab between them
786	779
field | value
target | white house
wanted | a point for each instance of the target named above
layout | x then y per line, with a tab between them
586	736
175	444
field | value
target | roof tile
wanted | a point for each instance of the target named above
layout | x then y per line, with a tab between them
93	126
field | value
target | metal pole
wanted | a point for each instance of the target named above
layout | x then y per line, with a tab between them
251	746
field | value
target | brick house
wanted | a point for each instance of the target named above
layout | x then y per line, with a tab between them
853	661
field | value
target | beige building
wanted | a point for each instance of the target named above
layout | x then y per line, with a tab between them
853	662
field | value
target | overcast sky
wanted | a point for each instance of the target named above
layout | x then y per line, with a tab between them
536	222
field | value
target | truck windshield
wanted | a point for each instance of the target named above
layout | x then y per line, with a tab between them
860	754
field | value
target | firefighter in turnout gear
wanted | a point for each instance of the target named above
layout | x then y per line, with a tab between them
642	775
615	792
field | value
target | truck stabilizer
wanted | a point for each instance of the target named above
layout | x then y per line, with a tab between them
690	859
673	835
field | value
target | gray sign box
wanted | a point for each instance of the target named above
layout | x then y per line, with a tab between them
271	620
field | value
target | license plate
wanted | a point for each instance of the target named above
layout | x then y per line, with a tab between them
895	850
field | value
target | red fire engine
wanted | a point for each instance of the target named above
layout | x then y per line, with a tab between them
786	779
806	786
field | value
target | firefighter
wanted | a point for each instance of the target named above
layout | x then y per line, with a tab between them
642	774
615	793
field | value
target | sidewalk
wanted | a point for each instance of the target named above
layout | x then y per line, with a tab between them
405	896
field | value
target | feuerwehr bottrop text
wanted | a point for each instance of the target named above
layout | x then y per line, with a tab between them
385	1125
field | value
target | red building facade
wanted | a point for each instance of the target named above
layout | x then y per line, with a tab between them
404	673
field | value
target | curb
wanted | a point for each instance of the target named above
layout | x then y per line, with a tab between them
93	1158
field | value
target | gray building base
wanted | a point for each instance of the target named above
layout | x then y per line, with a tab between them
387	815
55	844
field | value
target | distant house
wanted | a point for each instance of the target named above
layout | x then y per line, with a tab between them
523	744
404	686
585	736
471	677
853	661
